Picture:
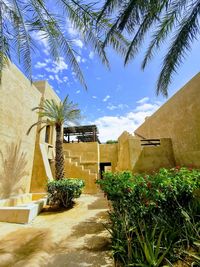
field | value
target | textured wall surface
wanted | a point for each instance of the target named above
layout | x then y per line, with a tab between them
153	158
17	98
179	119
129	150
109	153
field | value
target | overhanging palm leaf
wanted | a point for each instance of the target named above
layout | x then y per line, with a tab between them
186	34
56	115
137	18
20	19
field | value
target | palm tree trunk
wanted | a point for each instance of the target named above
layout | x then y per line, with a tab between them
59	160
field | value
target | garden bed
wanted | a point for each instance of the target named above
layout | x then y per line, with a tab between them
154	220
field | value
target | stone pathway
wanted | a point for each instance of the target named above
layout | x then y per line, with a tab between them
72	238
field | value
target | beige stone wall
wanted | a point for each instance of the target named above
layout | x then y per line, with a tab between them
82	161
109	153
43	166
89	151
136	158
17	98
179	119
129	149
153	158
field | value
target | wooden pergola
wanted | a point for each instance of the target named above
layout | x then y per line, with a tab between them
86	133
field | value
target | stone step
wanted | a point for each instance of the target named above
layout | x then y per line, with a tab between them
23	213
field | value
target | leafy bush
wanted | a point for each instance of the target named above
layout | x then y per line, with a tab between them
62	192
165	201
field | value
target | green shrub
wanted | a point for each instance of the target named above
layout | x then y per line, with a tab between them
62	192
164	200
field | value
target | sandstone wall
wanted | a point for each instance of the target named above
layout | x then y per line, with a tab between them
17	98
179	119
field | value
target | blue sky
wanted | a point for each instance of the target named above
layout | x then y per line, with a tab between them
118	99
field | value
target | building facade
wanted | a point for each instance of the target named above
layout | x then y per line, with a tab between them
170	137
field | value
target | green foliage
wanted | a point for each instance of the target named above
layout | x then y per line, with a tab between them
111	142
56	114
167	201
62	192
150	244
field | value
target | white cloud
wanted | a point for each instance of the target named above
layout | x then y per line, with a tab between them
58	79
119	106
40	65
40	37
111	127
40	75
78	43
47	60
46	51
146	107
65	78
94	97
58	66
143	100
58	91
91	55
70	28
106	98
78	92
51	77
78	59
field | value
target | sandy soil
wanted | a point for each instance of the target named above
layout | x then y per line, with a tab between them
72	238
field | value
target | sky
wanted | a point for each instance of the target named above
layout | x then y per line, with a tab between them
118	99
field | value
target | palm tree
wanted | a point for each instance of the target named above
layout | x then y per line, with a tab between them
174	20
57	115
20	20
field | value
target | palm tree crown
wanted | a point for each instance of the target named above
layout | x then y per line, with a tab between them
21	19
180	18
57	115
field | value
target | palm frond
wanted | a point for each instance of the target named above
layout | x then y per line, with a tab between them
4	47
186	34
36	124
165	26
53	113
138	38
108	7
24	40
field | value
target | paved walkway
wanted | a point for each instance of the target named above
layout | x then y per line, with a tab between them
72	238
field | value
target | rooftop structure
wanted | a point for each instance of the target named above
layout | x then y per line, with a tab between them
86	133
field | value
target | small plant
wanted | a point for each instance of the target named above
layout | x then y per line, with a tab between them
150	244
62	192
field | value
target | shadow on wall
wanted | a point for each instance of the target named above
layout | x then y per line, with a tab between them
13	170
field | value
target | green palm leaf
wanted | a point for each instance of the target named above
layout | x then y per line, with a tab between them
164	17
20	19
52	113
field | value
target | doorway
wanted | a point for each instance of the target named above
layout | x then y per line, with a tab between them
105	167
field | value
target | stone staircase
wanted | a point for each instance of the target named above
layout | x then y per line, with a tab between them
76	166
